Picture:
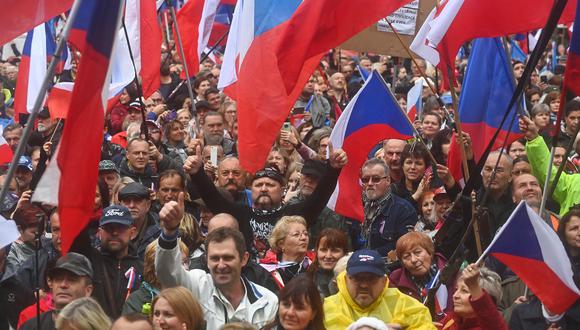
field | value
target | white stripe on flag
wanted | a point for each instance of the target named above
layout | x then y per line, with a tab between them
37	71
206	24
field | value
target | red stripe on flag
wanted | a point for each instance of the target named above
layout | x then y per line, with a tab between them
543	282
19	16
150	35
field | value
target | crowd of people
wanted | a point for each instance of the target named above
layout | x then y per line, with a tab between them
182	237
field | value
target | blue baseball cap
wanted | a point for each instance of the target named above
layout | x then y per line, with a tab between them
116	214
25	162
366	261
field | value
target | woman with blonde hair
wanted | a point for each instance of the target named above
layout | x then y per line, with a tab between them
140	300
83	313
288	255
176	308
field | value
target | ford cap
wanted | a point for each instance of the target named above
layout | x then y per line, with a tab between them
116	214
366	261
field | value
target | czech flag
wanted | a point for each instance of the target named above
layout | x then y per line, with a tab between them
415	99
373	115
70	179
487	89
456	21
19	16
195	20
145	40
39	46
529	247
273	48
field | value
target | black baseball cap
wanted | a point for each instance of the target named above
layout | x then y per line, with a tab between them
134	189
75	263
313	168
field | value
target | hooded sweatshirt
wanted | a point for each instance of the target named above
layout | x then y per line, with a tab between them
340	310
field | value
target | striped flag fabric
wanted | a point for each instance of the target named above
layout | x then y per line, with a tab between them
39	46
373	115
532	250
71	177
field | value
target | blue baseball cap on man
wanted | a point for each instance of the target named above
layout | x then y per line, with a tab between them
116	214
25	162
366	261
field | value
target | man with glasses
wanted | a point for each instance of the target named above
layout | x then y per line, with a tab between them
387	216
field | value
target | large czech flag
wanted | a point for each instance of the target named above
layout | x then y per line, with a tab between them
38	48
531	248
487	89
456	21
373	115
273	47
71	177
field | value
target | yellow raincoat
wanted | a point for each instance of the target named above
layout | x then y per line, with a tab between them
392	307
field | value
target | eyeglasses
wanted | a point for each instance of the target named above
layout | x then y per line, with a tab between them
298	234
373	179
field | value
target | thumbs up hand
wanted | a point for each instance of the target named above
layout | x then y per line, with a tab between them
338	158
193	163
171	214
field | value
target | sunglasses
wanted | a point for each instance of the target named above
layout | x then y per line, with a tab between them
372	179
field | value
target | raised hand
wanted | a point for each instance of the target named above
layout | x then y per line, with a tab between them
193	163
338	158
171	214
528	127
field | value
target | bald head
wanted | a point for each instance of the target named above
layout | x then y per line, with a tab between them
222	220
132	322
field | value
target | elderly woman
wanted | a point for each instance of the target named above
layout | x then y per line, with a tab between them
477	293
288	255
332	245
420	265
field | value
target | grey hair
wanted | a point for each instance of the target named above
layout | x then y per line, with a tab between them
376	161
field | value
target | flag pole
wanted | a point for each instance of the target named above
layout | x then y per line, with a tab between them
182	53
46	83
453	95
458	123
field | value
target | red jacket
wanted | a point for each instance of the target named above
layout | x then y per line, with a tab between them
487	317
401	279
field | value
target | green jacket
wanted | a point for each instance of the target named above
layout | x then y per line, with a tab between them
567	192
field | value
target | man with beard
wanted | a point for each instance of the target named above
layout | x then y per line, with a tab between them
137	199
310	175
257	222
387	216
114	260
232	177
48	130
69	279
213	132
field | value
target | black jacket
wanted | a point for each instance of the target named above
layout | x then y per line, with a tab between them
528	316
148	177
109	281
395	219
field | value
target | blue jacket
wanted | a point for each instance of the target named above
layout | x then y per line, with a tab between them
397	218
